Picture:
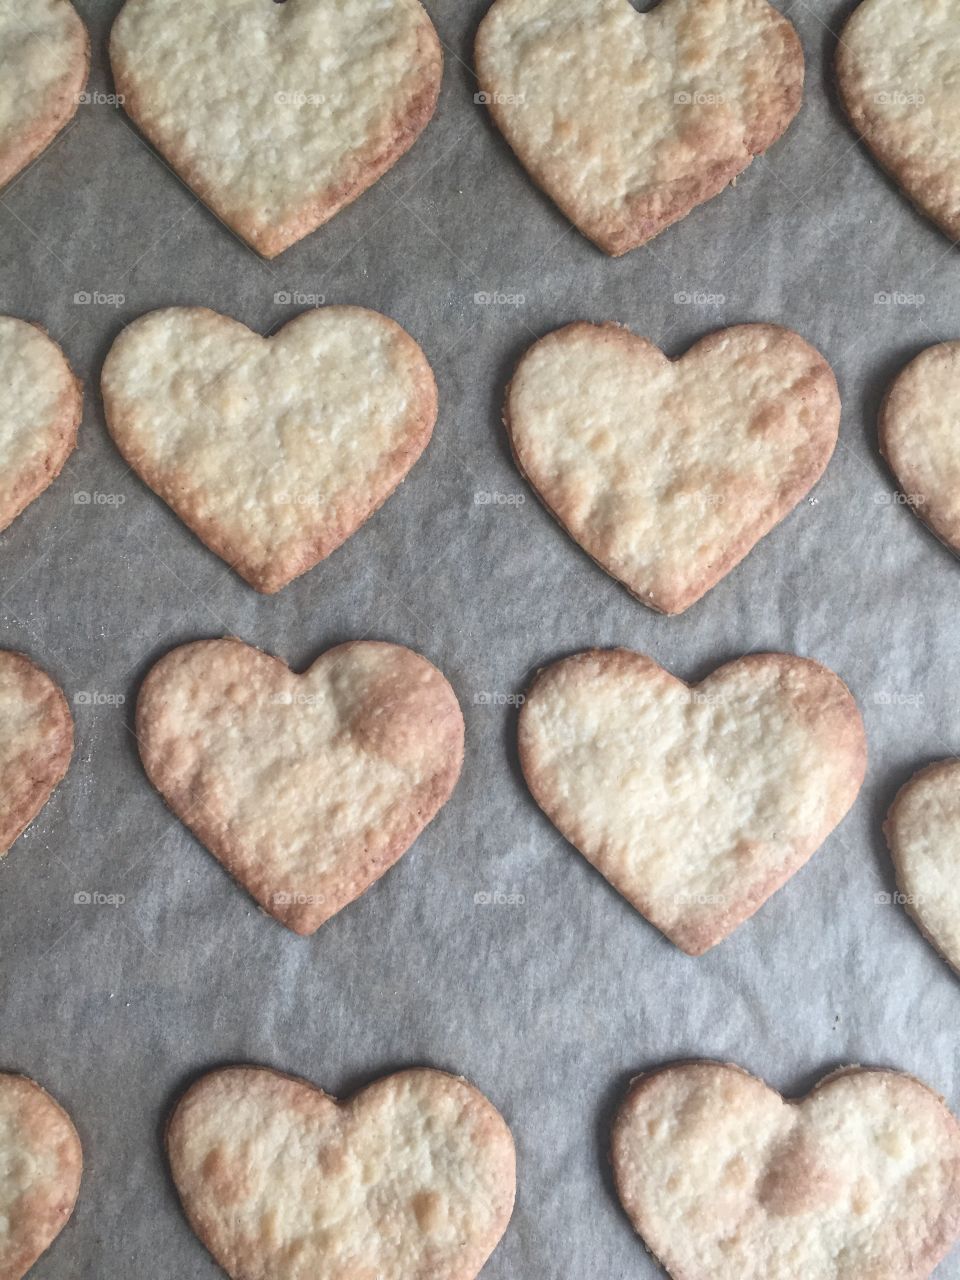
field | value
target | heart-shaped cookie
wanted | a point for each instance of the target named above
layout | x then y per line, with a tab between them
277	114
667	472
272	450
411	1179
898	67
307	788
36	742
923	832
629	120
696	802
919	439
726	1180
39	417
40	1166
44	63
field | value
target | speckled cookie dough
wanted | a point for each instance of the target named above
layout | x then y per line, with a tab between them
272	450
726	1180
411	1179
696	802
629	120
667	472
308	787
277	115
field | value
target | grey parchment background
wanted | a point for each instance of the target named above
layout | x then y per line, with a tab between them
550	1006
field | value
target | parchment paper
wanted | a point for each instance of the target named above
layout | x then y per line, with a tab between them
552	1004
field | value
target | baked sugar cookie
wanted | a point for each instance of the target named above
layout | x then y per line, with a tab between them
44	63
629	120
36	743
277	114
40	408
411	1179
307	788
920	438
898	68
40	1167
272	450
726	1180
696	802
667	472
923	832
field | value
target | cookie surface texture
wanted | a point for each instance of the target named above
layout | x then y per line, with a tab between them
40	1166
696	802
923	832
629	120
40	411
726	1180
307	788
898	68
272	450
667	472
411	1179
920	438
44	62
277	115
36	742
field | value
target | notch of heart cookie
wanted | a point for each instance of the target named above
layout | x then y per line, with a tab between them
287	114
923	834
629	120
273	451
306	788
723	1178
668	472
695	802
424	1161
